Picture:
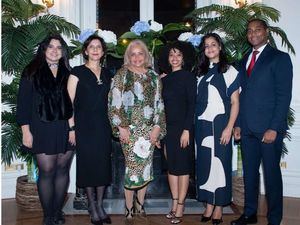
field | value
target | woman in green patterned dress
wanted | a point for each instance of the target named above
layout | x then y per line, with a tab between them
136	112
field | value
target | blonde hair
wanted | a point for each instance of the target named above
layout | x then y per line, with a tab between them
140	44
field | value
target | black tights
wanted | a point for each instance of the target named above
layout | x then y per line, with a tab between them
95	199
53	181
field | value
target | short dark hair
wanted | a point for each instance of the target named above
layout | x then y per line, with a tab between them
88	41
261	21
188	56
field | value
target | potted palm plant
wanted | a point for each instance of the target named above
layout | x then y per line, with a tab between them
24	26
232	23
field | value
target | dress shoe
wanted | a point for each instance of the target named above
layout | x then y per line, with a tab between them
106	219
59	218
217	221
48	221
205	219
244	220
96	222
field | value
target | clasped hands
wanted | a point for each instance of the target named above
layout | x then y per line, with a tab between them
124	135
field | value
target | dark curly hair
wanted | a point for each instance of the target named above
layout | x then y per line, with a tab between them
188	53
203	62
88	41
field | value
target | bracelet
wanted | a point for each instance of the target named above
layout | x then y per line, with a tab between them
72	128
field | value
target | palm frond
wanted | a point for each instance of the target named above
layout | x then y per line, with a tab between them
284	39
57	24
20	10
11	137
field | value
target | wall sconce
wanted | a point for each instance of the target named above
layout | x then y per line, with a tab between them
240	3
48	3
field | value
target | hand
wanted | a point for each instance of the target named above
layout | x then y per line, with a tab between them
237	133
124	135
27	139
185	139
226	135
154	134
157	144
269	136
72	137
162	75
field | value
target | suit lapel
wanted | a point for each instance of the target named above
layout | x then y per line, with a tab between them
260	61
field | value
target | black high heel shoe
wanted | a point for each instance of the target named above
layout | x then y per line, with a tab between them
139	208
178	219
59	218
96	222
217	221
106	219
129	213
205	219
171	214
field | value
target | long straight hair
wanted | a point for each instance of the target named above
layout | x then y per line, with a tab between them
39	59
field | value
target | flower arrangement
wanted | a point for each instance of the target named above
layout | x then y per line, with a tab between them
152	33
109	37
194	39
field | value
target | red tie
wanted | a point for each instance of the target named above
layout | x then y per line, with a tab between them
252	62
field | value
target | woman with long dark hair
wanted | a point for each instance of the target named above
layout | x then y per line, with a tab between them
217	107
43	110
88	87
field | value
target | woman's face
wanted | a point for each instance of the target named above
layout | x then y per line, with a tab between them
54	51
137	57
175	59
212	49
94	50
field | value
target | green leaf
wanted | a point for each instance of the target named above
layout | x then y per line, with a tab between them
129	35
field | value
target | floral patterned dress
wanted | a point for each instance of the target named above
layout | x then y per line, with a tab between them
135	102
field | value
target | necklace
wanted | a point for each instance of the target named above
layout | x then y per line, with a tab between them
95	71
99	81
53	65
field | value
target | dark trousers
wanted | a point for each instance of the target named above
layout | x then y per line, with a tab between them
253	153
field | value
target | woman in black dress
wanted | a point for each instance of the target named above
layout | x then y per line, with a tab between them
88	87
43	110
179	94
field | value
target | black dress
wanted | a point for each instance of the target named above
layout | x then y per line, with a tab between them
93	131
49	129
179	94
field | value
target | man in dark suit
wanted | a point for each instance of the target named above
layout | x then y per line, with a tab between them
266	82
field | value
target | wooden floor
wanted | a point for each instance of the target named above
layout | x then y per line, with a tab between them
12	215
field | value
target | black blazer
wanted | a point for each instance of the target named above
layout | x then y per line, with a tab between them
266	94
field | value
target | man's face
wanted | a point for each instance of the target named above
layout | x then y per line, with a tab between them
257	34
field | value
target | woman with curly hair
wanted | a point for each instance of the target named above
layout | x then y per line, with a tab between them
179	94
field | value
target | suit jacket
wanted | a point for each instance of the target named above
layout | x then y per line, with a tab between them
266	94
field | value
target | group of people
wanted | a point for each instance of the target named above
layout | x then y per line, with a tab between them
206	101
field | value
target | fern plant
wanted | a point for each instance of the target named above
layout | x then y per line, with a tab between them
24	26
232	23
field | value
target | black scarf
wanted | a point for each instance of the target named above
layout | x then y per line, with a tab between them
54	102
